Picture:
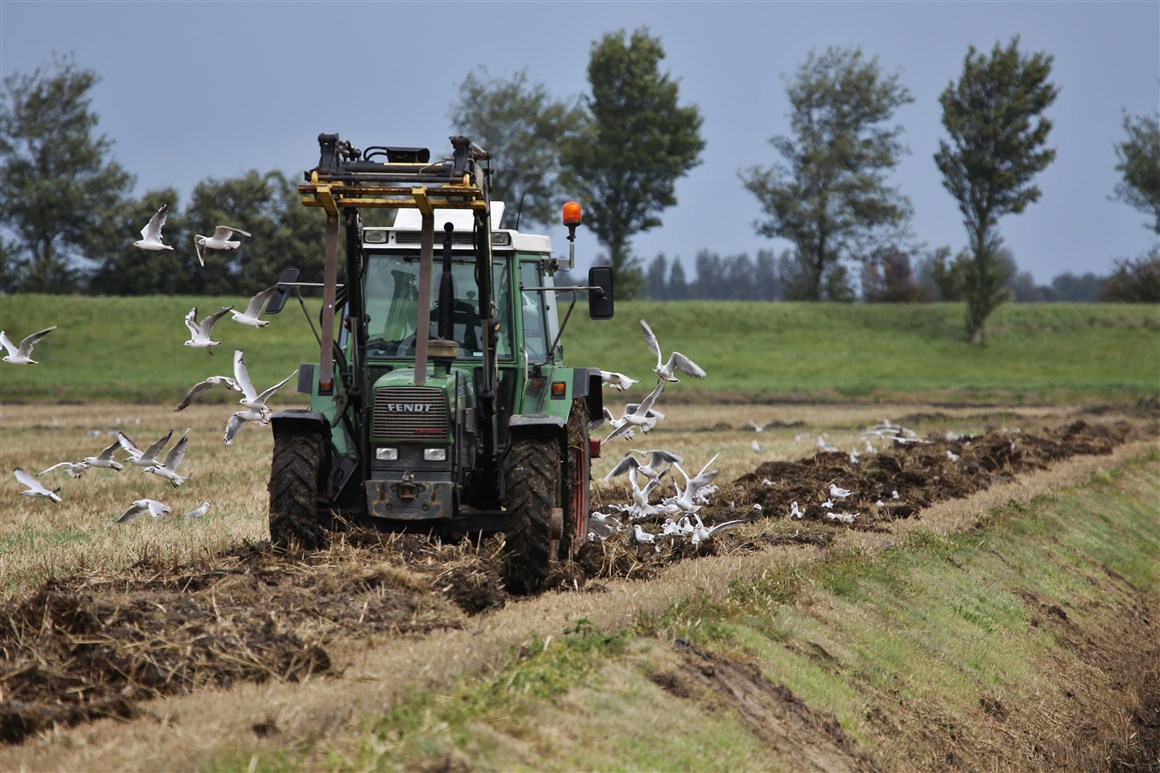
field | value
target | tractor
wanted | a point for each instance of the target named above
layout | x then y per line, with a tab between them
440	402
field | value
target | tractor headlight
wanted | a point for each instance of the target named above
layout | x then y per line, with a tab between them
435	454
386	454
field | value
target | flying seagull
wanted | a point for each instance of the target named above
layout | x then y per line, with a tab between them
639	414
142	506
649	469
249	317
22	355
700	534
35	489
151	233
168	468
204	386
199	337
241	417
146	458
219	241
618	380
251	398
676	361
75	469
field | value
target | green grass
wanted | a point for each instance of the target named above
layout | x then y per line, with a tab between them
130	348
925	634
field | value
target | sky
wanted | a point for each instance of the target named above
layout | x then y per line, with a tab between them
197	90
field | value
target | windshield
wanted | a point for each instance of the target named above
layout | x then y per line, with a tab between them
392	300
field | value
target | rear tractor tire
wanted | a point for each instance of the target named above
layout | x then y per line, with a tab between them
533	495
295	481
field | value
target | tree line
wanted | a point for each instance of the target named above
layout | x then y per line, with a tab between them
620	149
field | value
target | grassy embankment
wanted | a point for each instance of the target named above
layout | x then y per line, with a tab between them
976	651
130	349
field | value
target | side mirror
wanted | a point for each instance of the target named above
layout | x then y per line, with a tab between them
281	292
600	292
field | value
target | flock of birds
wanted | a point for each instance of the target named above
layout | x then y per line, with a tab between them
254	408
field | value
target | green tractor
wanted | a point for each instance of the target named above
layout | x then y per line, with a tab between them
440	402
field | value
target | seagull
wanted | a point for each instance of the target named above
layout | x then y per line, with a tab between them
142	506
22	355
105	458
168	468
796	512
828	504
144	458
650	469
35	489
204	386
249	317
198	512
700	533
604	526
838	492
752	426
756	447
677	361
219	241
643	536
618	380
151	233
199	332
843	517
75	469
698	483
241	417
641	415
251	398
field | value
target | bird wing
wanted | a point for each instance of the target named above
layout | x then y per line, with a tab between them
197	239
55	466
7	343
624	465
177	453
727	525
647	403
197	389
107	453
152	451
270	392
135	510
128	445
156	509
208	323
226	231
685	365
242	376
152	230
254	308
191	323
31	341
232	426
706	467
650	340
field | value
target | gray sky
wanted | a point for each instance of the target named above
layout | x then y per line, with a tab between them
193	90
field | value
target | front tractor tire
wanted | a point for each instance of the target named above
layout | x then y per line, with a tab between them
533	495
296	476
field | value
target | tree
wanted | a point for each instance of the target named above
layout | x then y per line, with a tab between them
523	128
637	143
829	194
1134	281
1139	163
998	137
658	271
678	284
59	183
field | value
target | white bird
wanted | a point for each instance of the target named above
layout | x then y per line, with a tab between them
199	511
700	533
151	233
204	386
643	536
168	468
219	241
756	447
105	457
251	398
618	380
249	317
838	492
602	525
199	332
694	484
676	361
35	489
75	469
22	355
828	504
842	517
142	506
650	469
639	414
796	512
241	417
752	426
952	455
146	458
825	446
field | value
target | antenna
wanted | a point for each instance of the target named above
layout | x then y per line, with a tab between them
520	208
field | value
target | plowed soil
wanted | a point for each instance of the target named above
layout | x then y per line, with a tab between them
84	647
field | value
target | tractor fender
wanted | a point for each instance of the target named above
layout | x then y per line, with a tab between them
536	425
586	383
299	421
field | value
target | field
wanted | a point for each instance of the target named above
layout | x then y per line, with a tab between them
938	630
